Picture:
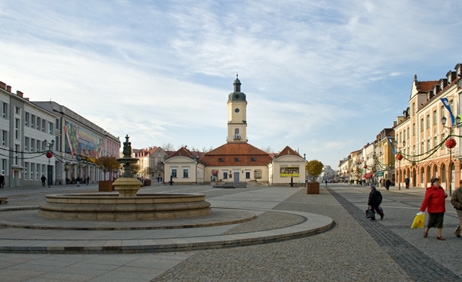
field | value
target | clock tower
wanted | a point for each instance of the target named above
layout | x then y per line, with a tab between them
237	110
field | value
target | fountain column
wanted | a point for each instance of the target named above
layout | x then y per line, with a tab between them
127	185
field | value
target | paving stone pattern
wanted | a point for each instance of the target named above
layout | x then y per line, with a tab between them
345	253
416	263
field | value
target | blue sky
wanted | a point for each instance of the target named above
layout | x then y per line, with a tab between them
324	77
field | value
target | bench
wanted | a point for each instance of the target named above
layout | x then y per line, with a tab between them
3	200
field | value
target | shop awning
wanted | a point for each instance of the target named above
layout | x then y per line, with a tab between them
368	175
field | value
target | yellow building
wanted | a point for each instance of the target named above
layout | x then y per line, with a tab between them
420	135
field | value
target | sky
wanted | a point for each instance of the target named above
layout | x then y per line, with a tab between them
323	77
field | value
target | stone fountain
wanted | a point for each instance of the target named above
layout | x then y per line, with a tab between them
125	205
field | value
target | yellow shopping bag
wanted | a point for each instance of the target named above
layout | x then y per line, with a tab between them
419	221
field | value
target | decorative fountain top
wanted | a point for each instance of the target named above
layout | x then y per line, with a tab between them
127	185
127	159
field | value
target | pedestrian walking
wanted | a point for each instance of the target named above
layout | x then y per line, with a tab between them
2	181
456	201
374	201
406	181
434	203
387	184
43	178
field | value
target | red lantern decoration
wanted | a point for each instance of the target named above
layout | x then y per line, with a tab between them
365	166
450	143
49	154
399	157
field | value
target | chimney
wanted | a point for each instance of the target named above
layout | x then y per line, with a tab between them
2	85
19	93
8	88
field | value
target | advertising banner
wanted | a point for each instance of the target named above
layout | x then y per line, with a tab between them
289	171
80	141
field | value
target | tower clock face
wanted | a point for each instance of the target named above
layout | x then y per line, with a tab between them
236	110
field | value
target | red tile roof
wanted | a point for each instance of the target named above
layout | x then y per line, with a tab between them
424	86
287	151
236	154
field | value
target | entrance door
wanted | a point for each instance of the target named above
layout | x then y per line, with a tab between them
236	176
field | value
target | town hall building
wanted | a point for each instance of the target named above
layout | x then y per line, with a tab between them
237	161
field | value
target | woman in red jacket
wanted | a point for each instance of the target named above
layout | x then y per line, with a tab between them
435	204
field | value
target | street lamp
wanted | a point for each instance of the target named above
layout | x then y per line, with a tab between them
399	157
450	143
49	155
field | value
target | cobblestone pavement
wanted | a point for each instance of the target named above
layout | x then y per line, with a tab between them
354	250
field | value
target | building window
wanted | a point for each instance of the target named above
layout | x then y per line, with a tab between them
247	175
44	125
236	160
4	138
225	175
37	148
26	144
185	173
32	171
32	121
4	166
17	110
50	128
26	170
26	120
5	110
16	128
428	145
39	122
422	125
173	173
434	117
220	160
428	121
57	123
413	129
16	154
253	160
32	144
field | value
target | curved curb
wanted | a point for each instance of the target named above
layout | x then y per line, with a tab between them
314	224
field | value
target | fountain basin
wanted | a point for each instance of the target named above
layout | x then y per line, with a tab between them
112	207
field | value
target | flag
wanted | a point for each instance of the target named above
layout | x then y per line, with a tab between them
446	104
391	144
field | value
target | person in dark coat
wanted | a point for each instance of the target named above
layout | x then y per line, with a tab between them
2	181
387	184
43	178
375	199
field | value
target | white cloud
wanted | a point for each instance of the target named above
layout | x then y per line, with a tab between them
314	72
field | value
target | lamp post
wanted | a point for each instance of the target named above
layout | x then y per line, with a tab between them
49	155
399	157
450	143
79	164
66	168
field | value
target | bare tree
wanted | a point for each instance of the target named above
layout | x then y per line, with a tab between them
168	147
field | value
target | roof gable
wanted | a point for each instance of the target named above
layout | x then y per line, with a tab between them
287	151
236	154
